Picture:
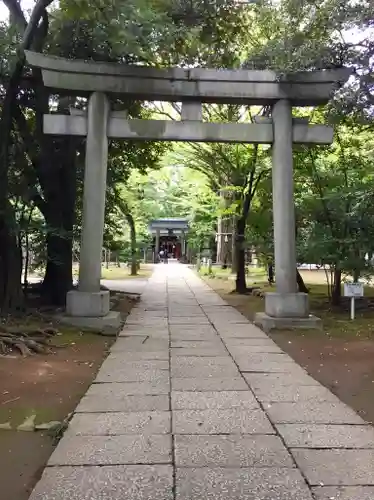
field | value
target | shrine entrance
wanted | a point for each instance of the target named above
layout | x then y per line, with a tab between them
169	235
191	87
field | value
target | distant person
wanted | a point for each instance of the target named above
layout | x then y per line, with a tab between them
161	255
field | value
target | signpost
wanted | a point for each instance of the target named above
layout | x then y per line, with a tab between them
353	290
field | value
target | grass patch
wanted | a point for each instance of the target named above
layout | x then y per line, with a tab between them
336	322
123	273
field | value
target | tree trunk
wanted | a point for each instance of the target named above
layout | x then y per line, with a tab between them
270	273
57	177
241	285
59	189
234	264
300	283
10	253
337	288
10	268
134	264
224	225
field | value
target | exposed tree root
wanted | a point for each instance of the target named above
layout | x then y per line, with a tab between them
27	343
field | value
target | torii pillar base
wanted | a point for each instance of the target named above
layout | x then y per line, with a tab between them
90	311
268	323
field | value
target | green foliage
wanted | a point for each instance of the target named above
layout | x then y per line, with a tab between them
172	191
293	35
334	202
159	32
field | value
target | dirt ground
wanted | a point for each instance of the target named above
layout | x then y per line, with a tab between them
341	356
50	387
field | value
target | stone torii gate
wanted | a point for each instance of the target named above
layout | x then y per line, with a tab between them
89	305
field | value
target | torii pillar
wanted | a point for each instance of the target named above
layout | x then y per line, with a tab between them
287	306
89	301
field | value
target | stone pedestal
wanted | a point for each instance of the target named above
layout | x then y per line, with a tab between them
105	325
287	305
268	323
89	304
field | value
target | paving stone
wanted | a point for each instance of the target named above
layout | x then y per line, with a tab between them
266	392
250	341
135	482
112	450
231	451
220	320
265	357
217	370
140	356
226	315
312	412
213	400
160	312
195	336
186	312
344	493
114	362
251	365
130	341
218	308
247	330
198	330
240	484
151	322
189	320
153	334
111	424
203	353
124	374
239	331
196	362
247	350
231	421
120	389
198	344
148	345
205	300
257	379
146	317
336	467
327	436
112	402
139	328
183	302
209	384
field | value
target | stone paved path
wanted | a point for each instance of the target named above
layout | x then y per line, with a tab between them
195	403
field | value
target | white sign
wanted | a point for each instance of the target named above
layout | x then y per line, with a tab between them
353	290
